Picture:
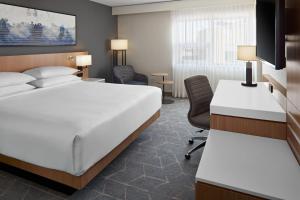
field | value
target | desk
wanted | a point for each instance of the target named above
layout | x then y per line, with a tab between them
239	166
249	110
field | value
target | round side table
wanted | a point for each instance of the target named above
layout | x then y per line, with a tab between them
164	82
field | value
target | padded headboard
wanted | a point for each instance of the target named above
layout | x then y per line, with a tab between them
20	63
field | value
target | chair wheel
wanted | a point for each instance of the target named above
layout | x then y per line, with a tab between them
191	141
187	156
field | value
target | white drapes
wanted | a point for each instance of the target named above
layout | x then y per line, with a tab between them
205	42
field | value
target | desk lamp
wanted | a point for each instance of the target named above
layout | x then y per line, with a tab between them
247	53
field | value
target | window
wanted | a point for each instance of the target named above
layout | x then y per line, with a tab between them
205	42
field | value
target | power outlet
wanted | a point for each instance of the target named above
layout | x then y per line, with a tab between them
271	88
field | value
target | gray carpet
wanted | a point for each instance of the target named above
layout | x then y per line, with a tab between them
152	168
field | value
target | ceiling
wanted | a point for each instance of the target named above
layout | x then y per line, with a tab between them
127	2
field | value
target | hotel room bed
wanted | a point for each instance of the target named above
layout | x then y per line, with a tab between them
71	127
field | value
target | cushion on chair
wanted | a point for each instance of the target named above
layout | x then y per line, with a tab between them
201	121
124	73
200	94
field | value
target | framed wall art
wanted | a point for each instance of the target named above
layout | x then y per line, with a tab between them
21	26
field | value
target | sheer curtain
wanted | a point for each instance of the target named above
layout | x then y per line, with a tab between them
205	40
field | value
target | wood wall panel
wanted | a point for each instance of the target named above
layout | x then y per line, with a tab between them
294	143
206	191
21	63
276	84
293	129
293	74
293	118
248	126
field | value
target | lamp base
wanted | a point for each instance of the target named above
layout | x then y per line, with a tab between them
249	84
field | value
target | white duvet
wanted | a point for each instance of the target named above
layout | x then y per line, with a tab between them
71	127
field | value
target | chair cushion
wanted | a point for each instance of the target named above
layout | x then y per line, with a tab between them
136	83
125	73
199	93
201	121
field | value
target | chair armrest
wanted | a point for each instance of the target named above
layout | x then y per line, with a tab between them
141	77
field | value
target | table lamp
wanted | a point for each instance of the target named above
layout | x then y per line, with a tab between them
82	62
247	53
116	46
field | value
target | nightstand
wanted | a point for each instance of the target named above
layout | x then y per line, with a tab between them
83	72
100	80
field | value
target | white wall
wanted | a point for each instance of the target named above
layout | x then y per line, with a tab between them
150	42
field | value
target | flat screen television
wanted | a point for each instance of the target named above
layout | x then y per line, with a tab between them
270	32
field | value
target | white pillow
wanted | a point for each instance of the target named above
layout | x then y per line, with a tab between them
48	82
50	71
14	78
10	90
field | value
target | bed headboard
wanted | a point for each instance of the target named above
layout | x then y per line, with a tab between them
20	63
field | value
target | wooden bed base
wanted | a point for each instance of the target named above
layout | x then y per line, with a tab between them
79	182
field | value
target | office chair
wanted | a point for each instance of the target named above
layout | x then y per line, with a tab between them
200	95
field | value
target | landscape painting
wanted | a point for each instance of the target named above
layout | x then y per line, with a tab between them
20	26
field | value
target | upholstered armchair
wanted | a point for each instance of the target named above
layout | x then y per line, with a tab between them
127	75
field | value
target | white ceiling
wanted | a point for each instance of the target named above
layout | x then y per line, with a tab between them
127	2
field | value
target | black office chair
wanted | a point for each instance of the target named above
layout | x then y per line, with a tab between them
200	95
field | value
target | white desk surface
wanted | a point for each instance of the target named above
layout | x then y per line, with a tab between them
258	166
232	99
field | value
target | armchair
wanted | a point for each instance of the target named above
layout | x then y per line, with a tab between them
127	75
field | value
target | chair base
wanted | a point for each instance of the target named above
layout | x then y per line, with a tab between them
188	155
191	141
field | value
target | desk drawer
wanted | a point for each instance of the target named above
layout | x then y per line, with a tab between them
249	126
206	191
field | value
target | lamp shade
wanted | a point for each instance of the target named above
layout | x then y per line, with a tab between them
83	60
246	53
119	44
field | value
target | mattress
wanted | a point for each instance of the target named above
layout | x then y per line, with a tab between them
71	127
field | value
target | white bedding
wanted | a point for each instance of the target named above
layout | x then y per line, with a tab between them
71	127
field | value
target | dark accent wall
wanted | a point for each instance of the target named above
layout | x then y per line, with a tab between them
95	27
